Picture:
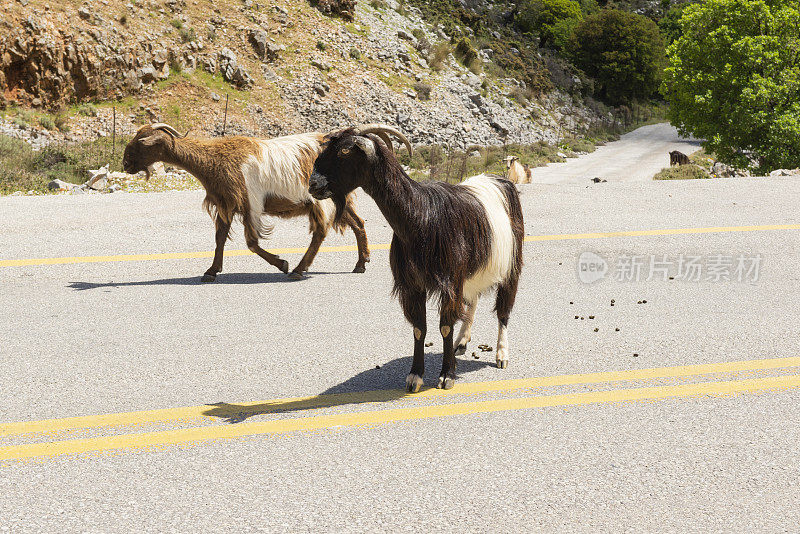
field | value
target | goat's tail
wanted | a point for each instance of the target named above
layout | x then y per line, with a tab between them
514	207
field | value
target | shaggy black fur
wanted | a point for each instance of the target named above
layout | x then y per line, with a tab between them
441	234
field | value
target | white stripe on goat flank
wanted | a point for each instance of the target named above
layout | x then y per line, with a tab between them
501	259
276	169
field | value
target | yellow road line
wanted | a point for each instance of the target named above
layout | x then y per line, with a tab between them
227	411
171	437
674	231
384	246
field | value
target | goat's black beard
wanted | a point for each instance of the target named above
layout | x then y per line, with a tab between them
340	203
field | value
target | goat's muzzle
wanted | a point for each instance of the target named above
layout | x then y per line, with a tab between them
318	186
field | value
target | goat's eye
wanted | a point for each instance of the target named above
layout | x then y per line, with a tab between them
344	151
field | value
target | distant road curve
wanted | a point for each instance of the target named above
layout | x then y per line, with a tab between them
637	156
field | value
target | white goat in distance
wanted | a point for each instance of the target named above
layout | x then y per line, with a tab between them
516	171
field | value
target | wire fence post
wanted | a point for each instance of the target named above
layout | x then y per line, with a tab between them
114	132
225	119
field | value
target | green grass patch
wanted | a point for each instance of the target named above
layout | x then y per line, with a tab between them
23	169
357	29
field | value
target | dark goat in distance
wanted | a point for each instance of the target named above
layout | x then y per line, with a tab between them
678	158
250	178
452	242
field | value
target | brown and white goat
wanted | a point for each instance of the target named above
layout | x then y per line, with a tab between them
516	172
453	242
250	178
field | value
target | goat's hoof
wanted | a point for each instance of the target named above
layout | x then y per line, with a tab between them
284	266
502	364
296	275
208	277
460	349
360	269
413	383
446	382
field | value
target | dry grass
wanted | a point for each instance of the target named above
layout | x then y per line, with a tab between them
682	172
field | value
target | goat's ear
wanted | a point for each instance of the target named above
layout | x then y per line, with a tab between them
367	146
150	140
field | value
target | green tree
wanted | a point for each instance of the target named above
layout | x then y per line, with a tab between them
733	79
552	20
670	24
623	52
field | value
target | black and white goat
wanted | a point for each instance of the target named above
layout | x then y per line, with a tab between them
453	242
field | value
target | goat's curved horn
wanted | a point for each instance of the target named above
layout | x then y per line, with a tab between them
383	130
169	129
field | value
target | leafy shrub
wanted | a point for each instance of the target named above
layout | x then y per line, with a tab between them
342	8
46	122
423	45
62	122
187	35
552	20
423	90
465	51
438	55
88	110
177	24
623	52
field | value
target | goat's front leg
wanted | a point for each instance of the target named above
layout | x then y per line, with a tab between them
414	308
447	378
223	229
465	334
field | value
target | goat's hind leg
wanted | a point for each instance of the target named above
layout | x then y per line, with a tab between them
465	334
316	240
251	238
223	229
356	224
506	294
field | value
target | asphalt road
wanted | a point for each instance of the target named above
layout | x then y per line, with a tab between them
230	432
636	157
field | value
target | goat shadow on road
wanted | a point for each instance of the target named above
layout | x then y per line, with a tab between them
222	279
372	386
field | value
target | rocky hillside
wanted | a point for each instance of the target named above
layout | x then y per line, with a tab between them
283	66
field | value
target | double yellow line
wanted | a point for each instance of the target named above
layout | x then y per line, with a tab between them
383	416
385	246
